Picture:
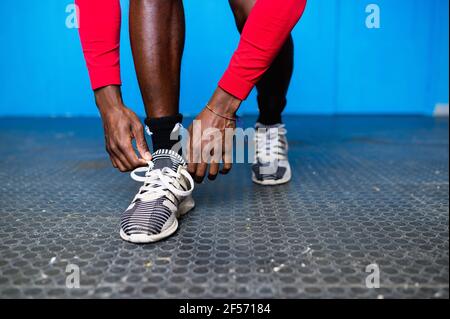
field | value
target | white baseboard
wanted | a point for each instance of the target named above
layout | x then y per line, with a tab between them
441	110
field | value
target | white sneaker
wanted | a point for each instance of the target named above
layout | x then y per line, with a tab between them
271	165
164	197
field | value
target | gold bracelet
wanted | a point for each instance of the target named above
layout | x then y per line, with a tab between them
220	115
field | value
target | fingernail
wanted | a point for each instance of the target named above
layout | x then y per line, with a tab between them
147	156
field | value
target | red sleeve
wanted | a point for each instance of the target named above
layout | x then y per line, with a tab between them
99	23
266	30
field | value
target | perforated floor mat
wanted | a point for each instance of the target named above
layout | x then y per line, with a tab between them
364	191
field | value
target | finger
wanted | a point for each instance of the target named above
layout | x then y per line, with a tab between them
192	168
141	143
113	161
116	163
227	155
214	162
122	167
111	156
213	171
192	165
227	164
131	156
200	172
119	165
121	159
226	168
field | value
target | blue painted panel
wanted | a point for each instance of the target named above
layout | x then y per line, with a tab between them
341	66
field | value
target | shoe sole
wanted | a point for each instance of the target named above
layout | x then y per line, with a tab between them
273	182
185	207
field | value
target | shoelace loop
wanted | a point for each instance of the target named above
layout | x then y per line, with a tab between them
158	182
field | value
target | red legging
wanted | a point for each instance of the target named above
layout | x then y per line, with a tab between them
266	30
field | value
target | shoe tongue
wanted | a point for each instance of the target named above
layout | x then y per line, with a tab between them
167	158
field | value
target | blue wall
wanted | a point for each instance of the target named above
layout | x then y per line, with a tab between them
341	66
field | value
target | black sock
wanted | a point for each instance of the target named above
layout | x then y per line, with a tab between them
161	129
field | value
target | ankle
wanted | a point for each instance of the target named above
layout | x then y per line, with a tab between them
270	120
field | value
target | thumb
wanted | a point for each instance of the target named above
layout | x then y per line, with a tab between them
141	143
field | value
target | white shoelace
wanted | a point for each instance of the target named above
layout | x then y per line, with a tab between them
269	144
158	182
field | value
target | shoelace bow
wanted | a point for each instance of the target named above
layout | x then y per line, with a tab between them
269	144
157	182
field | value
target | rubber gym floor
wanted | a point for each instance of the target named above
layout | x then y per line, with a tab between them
365	191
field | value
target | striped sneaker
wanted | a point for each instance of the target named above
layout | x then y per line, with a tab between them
164	197
271	165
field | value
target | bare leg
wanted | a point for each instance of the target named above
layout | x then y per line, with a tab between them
272	88
157	32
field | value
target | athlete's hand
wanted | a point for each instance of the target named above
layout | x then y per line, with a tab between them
121	126
211	138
